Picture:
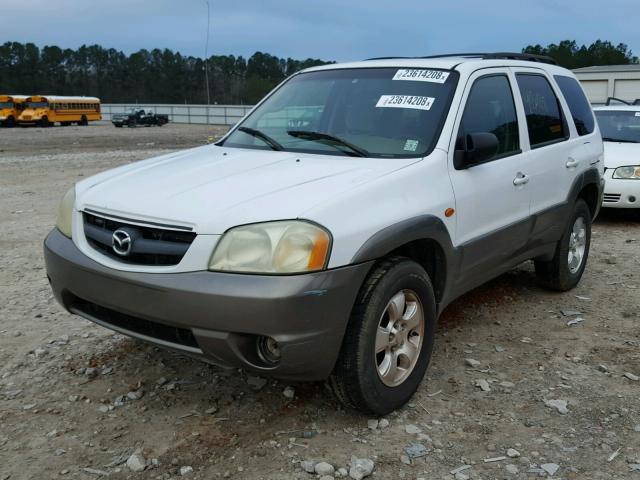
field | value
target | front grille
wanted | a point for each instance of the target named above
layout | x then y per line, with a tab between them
150	245
159	331
611	197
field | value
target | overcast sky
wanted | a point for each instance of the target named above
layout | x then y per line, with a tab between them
328	29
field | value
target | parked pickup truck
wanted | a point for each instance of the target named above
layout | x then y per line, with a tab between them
139	117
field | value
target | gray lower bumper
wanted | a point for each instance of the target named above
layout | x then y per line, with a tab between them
216	316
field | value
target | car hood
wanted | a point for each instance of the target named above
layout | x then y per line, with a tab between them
212	189
619	154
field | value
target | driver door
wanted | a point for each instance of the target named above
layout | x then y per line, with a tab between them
492	198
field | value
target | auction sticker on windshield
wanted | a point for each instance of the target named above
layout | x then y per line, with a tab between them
417	75
406	101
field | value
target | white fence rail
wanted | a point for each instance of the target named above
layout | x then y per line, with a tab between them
202	114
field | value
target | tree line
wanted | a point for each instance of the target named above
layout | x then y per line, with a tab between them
571	55
160	76
164	76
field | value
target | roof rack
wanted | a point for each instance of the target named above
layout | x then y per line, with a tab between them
624	102
529	57
618	100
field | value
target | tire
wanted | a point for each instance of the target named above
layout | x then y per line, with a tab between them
83	121
10	122
44	122
562	273
359	380
118	125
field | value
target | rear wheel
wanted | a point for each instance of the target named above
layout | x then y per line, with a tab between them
565	270
389	339
83	121
44	122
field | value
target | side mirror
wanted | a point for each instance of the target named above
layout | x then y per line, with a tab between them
474	148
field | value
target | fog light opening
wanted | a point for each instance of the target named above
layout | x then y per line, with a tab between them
268	350
632	199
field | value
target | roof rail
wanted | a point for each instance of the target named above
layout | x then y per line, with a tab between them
388	58
619	100
529	57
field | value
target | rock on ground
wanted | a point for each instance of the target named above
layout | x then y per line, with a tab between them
360	468
136	462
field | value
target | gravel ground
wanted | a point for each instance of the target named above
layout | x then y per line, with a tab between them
513	391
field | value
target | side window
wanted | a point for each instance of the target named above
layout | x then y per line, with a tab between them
490	108
542	108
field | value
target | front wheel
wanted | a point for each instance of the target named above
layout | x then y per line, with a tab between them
565	270
389	339
44	122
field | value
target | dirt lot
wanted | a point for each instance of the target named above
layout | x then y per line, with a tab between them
76	401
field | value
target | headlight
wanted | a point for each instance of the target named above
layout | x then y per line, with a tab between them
273	247
65	212
627	172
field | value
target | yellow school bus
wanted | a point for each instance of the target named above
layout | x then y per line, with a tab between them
46	110
10	108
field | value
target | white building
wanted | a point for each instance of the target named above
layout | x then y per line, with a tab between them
619	81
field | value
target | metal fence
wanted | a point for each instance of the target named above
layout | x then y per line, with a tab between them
203	114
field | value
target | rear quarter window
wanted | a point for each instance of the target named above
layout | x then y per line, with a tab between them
578	104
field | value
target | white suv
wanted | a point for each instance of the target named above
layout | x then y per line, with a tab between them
323	235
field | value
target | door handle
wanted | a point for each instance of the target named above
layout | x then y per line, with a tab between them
572	163
521	179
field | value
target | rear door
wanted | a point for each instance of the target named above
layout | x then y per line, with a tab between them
557	153
492	199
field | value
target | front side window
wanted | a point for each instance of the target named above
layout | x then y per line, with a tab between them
544	118
490	109
619	125
377	112
578	104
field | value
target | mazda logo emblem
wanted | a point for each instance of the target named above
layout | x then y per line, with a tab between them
121	242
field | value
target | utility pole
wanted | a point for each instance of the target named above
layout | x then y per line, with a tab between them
206	54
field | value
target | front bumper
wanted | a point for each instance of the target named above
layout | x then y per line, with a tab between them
217	317
620	193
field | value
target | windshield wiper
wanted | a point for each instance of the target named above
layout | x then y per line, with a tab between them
262	136
308	135
621	140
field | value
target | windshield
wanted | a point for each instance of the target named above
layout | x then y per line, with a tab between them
6	105
385	112
37	104
619	125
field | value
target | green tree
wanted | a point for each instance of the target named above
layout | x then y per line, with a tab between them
160	76
568	54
